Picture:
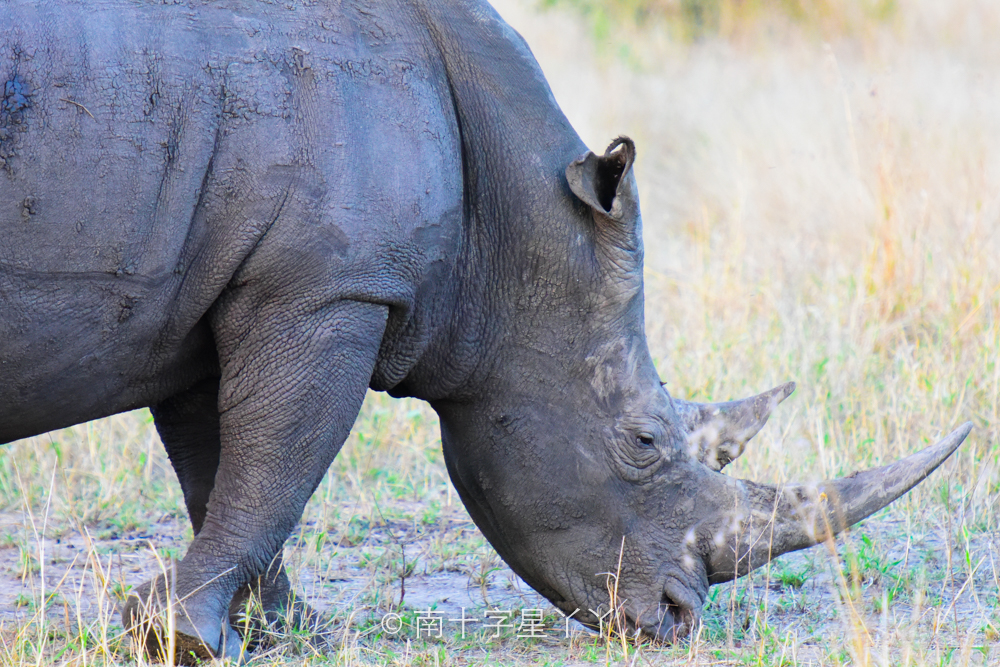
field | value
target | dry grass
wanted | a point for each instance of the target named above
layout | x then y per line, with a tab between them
826	212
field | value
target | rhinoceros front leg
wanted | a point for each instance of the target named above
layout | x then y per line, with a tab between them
292	383
188	424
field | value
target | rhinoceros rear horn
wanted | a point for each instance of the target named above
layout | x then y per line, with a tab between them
599	180
718	432
769	521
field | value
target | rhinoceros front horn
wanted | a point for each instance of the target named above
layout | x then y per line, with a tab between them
768	521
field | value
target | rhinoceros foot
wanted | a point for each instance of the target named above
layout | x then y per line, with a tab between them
266	608
148	617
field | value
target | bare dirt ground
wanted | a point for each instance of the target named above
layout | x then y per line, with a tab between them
888	580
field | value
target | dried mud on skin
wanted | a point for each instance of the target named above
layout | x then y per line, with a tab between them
936	604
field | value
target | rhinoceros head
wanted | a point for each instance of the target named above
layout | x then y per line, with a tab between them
596	486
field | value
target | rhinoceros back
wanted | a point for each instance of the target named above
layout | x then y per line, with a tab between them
147	149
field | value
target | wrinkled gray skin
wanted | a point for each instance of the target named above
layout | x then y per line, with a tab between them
245	215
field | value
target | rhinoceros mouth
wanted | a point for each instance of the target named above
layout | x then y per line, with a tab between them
667	621
673	621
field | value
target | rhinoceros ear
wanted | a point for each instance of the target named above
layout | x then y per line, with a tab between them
603	182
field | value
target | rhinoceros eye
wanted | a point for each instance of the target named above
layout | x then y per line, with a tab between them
637	450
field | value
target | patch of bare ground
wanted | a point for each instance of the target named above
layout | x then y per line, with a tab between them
397	590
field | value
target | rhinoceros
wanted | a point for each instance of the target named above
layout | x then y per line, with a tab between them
245	215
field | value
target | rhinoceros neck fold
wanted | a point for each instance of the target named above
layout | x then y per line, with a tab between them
509	118
515	144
